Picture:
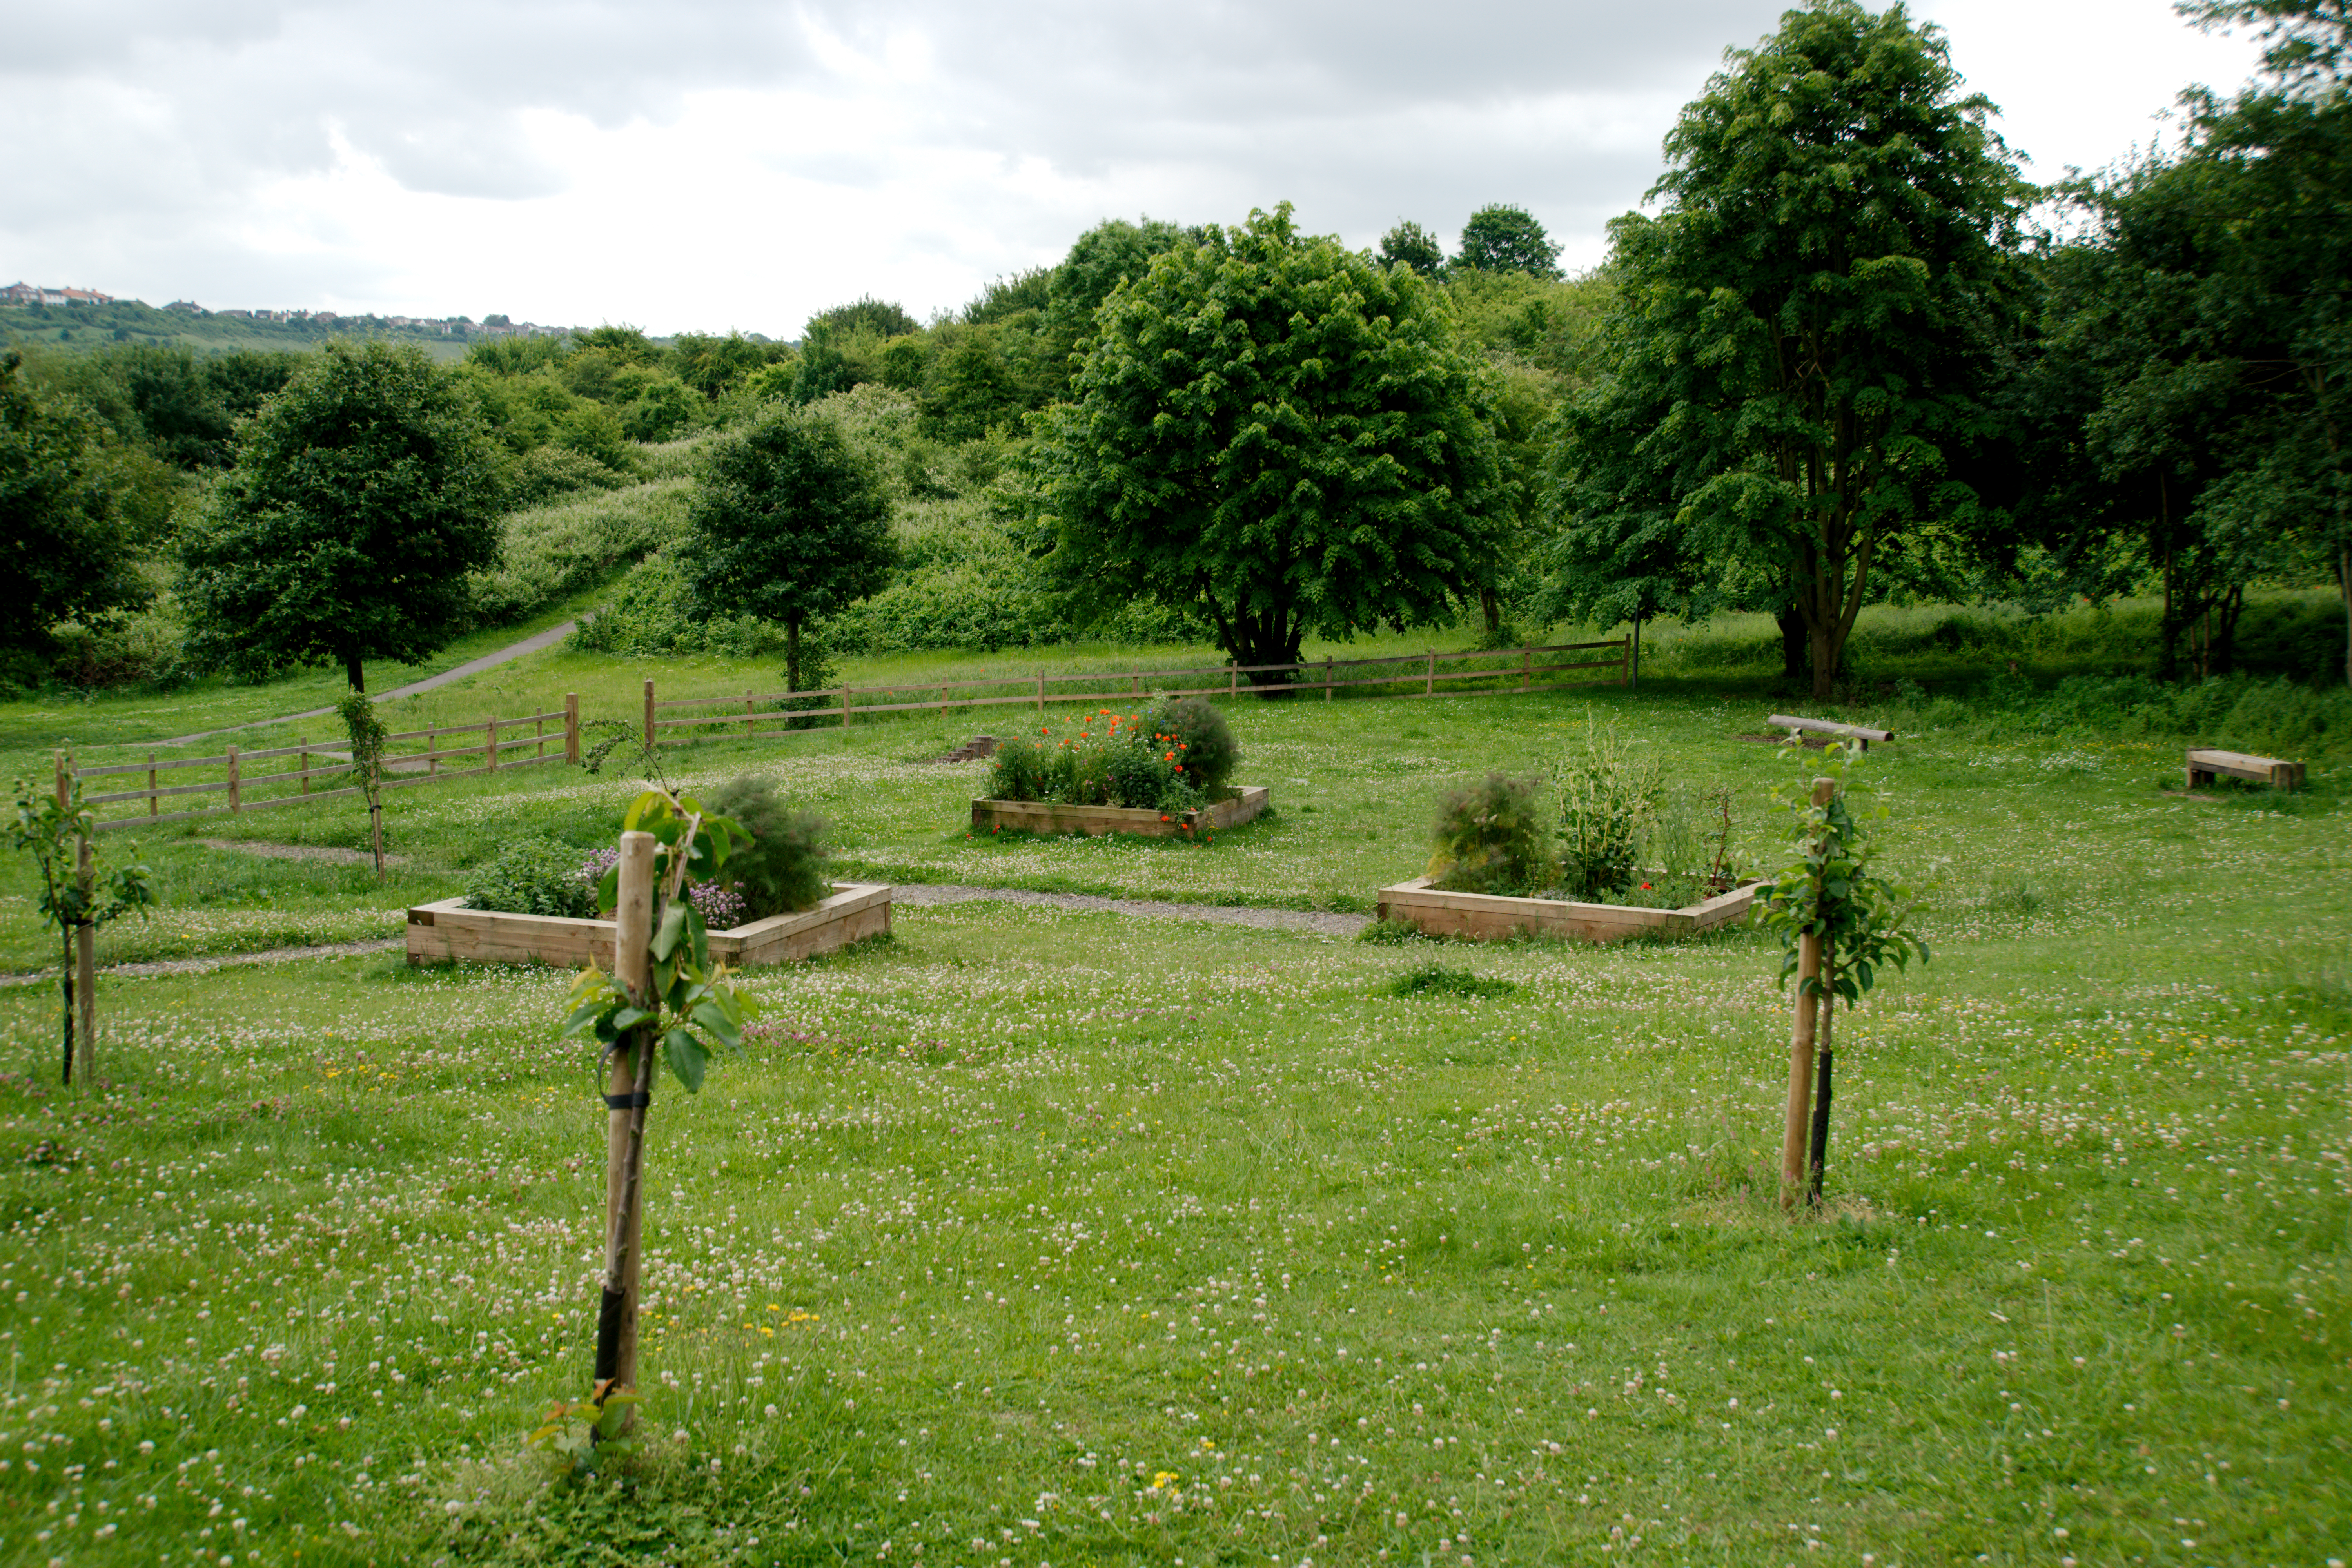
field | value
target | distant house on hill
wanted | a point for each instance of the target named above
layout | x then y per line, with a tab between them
37	294
190	306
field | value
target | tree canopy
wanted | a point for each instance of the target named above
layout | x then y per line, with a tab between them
1502	239
1279	433
363	495
1803	340
1410	245
67	550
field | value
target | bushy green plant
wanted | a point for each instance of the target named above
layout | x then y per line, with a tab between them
1018	769
1490	838
1603	801
1202	741
532	876
554	551
784	868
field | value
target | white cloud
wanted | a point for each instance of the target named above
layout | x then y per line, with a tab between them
713	164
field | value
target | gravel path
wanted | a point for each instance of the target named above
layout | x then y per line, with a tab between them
547	639
302	852
225	960
1324	924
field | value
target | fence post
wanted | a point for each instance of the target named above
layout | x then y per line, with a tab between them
492	749
943	702
538	737
571	727
1527	667
234	804
1327	677
1795	1132
649	712
1624	655
1233	678
844	707
152	807
748	721
1041	697
1429	689
631	1093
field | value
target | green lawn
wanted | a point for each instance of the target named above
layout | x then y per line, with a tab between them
1051	1238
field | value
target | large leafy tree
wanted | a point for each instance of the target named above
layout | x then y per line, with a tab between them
363	494
67	549
789	523
1803	338
1501	238
1279	435
1410	245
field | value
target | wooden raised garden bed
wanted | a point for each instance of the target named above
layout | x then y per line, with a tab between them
1240	805
449	930
1492	917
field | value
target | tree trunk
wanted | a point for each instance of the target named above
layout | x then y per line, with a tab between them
353	672
1792	644
2222	631
1825	645
792	653
2344	584
1491	604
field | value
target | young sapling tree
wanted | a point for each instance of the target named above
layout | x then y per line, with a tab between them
367	735
76	897
1839	923
664	995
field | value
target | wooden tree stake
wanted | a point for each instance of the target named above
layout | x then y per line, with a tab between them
572	728
649	713
628	1099
86	965
1794	1134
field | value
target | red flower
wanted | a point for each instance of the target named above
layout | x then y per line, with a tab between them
1645	887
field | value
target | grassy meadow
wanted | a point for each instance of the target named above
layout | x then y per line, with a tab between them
1038	1237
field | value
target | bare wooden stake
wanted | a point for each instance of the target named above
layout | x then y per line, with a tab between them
628	1099
86	967
649	713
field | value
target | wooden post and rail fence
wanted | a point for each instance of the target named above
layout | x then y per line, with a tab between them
322	769
1504	670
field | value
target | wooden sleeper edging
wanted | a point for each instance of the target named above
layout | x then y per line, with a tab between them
1041	816
1495	917
449	930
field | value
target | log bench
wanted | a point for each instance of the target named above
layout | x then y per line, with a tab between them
1860	735
2205	765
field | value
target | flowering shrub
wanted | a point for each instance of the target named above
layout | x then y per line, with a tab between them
1104	758
1199	735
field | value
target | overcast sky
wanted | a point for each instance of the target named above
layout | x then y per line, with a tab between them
716	164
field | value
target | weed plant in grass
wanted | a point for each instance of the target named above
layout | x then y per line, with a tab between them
1046	1237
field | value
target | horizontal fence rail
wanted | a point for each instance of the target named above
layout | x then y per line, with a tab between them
497	744
1507	669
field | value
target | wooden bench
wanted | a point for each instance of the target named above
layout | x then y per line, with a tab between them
1859	734
2204	765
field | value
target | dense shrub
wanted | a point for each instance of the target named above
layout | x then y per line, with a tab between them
784	868
1019	770
647	614
550	473
1491	837
1202	741
533	877
555	550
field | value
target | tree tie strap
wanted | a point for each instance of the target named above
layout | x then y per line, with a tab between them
641	1101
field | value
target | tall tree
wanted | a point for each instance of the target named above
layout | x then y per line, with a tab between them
789	523
1805	335
363	495
1278	434
1500	238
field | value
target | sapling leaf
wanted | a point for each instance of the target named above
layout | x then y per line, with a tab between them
673	926
712	1017
630	1018
686	1059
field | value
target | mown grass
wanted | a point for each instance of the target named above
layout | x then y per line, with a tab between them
1044	1238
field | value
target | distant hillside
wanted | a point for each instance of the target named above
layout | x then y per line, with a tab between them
90	326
